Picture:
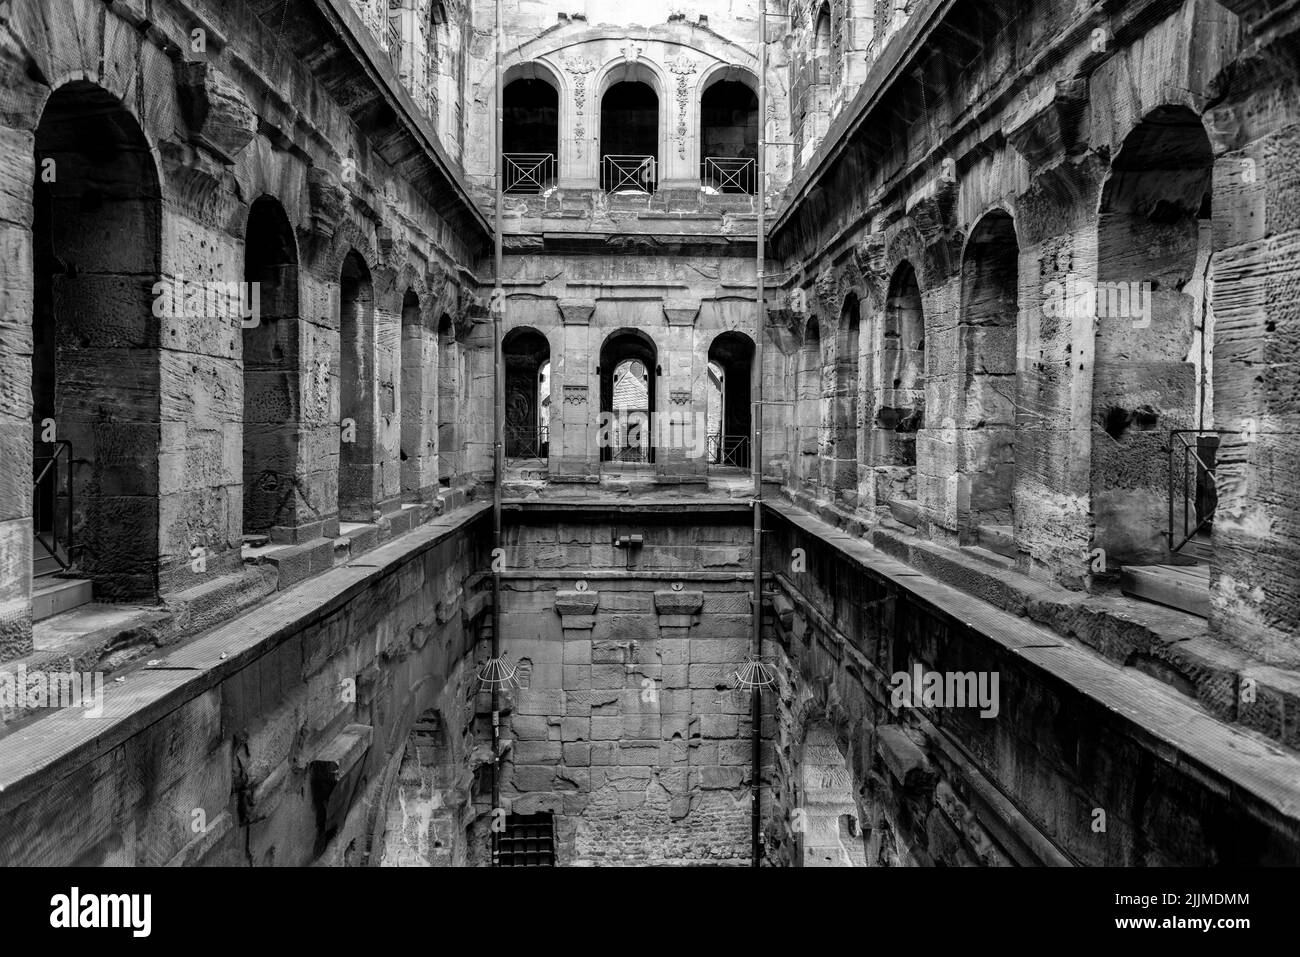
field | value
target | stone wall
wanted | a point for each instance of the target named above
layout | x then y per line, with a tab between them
276	739
1082	760
204	110
627	725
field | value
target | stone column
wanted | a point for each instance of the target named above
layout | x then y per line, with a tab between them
676	611
577	611
574	409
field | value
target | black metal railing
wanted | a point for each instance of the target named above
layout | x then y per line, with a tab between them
728	450
727	174
395	43
631	453
1193	496
628	173
52	498
522	443
527	172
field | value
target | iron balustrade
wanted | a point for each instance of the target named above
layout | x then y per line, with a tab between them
395	44
53	472
1193	496
524	443
527	172
728	174
628	172
727	450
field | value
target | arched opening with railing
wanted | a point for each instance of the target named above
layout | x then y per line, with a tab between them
448	387
900	390
629	138
809	403
530	137
729	137
95	353
731	359
526	354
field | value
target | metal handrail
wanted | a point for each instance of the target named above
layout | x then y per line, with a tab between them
629	171
528	172
729	174
727	450
1199	458
41	471
527	443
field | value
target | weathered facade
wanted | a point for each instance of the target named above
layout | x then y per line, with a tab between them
1026	407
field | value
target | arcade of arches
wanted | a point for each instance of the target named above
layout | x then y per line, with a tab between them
987	504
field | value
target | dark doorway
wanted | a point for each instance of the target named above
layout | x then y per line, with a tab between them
530	135
526	355
628	379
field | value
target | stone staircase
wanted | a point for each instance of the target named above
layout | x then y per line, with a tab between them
53	591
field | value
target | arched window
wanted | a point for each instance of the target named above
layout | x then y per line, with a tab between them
731	358
96	322
628	383
356	394
527	356
900	393
729	137
270	361
1151	383
629	138
817	104
986	338
530	135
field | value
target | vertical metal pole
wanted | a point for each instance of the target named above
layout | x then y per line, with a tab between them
756	703
498	307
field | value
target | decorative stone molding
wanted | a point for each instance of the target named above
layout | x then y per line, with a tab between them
578	68
575	395
680	397
216	111
682	66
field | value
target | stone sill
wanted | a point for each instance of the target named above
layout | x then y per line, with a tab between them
1084	641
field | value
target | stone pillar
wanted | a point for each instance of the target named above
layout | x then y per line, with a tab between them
576	404
577	611
681	406
676	611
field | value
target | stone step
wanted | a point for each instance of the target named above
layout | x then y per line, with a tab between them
1185	587
56	595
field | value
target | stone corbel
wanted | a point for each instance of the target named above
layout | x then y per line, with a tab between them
1048	124
932	209
677	611
577	611
335	773
576	312
870	258
328	202
218	115
681	312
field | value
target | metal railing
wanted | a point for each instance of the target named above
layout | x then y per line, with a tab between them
726	174
631	453
628	173
523	443
527	172
728	450
49	480
1193	496
395	43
